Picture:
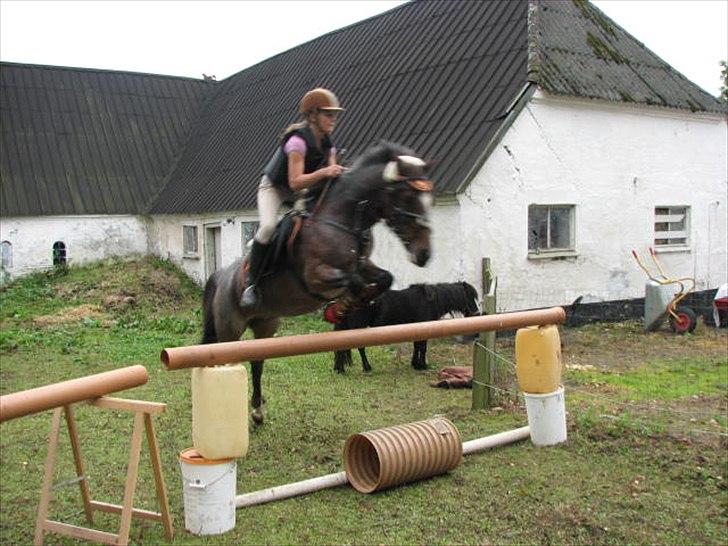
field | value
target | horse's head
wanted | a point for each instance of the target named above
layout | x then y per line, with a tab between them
407	205
389	183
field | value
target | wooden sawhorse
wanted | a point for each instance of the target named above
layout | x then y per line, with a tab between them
142	419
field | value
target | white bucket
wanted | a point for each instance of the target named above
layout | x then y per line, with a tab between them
546	417
209	493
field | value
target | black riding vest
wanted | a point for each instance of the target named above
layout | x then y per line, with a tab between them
277	167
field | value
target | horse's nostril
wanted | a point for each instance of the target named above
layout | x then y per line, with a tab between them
423	256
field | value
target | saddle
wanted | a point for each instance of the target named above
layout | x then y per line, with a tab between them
280	251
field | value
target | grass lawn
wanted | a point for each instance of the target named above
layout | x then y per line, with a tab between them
645	462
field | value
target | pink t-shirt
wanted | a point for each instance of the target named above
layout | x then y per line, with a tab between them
297	144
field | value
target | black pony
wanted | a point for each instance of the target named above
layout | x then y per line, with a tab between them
418	303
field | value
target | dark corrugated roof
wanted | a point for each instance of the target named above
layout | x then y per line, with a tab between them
435	76
429	75
81	141
577	50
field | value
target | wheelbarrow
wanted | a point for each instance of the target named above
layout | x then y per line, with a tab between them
662	300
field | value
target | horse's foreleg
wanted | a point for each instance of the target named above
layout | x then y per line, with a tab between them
257	400
341	359
364	361
261	328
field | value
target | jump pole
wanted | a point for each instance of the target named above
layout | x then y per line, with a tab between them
214	354
328	481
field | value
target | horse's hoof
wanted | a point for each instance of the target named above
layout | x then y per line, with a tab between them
258	416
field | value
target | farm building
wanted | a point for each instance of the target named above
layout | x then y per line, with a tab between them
560	144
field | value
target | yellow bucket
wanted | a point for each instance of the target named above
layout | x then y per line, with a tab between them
538	359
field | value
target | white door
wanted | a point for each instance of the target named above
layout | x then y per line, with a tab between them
213	248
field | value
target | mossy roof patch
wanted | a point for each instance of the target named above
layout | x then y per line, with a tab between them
575	49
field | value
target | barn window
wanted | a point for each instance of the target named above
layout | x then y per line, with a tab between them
671	226
189	241
550	228
59	253
248	232
7	254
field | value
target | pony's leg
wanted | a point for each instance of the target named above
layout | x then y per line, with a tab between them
364	361
261	329
341	359
418	355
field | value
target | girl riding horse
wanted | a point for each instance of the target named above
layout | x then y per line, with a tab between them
329	259
306	156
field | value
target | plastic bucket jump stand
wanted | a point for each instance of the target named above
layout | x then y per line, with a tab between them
209	493
546	417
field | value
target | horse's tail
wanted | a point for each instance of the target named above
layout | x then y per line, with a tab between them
208	316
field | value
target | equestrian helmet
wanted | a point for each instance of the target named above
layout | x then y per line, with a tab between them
319	99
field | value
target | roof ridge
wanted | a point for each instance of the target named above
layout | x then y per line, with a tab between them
321	36
101	70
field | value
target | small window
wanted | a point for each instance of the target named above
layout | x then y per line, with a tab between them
248	232
189	237
550	228
7	254
59	253
672	226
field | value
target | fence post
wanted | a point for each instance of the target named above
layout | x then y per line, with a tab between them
484	366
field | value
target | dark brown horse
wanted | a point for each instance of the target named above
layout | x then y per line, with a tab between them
329	259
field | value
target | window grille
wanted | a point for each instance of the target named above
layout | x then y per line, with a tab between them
59	253
550	228
189	240
7	254
671	226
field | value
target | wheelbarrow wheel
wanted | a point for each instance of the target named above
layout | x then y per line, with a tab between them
685	322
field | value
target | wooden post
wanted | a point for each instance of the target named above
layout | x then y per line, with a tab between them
484	364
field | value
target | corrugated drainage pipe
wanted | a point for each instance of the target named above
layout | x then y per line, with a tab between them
391	456
312	485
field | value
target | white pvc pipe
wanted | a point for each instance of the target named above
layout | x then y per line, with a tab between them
334	480
500	439
291	490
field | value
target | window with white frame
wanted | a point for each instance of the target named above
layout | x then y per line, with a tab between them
550	228
7	254
189	241
672	226
248	232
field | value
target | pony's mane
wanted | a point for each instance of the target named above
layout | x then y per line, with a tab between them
380	154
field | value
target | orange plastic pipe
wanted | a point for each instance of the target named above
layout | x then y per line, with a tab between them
260	349
51	396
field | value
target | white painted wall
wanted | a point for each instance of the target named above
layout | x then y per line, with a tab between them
87	239
615	163
165	238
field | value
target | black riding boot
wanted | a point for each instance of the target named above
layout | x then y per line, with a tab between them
250	297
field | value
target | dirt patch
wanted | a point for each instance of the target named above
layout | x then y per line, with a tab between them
70	315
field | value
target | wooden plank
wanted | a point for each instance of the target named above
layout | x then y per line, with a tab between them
78	462
158	477
131	478
80	532
45	492
116	509
127	404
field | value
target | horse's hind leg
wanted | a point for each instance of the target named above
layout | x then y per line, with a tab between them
261	329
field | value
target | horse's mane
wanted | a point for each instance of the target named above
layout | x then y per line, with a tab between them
380	154
360	177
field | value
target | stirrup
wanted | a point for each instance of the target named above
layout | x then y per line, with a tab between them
250	297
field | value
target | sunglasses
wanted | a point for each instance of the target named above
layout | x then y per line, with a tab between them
330	114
